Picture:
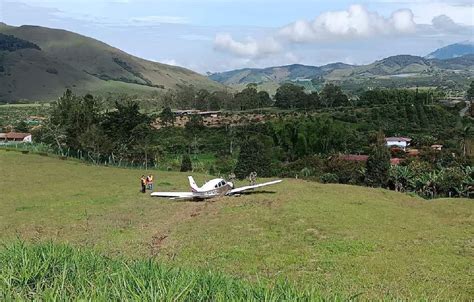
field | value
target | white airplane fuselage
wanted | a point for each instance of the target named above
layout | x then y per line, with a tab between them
217	186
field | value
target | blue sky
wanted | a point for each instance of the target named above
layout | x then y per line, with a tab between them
218	35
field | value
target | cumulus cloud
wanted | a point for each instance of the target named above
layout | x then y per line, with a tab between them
445	23
355	22
250	48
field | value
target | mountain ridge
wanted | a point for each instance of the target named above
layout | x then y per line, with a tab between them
394	68
453	51
83	64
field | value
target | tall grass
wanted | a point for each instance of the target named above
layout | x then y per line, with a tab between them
48	271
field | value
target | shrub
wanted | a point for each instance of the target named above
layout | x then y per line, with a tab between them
186	164
329	178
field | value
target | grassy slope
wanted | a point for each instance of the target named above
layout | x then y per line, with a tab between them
53	272
335	238
77	58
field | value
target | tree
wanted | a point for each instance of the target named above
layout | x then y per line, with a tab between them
378	164
248	98
167	117
22	126
264	99
470	97
290	96
332	96
194	124
470	91
141	143
186	97
73	115
186	164
202	99
253	157
95	142
119	124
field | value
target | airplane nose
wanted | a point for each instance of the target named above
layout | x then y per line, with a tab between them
231	184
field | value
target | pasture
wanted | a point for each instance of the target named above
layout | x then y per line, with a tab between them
338	240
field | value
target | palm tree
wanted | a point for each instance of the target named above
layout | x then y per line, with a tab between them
401	176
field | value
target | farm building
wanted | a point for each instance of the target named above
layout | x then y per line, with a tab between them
15	137
401	142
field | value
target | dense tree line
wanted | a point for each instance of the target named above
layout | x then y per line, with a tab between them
397	96
12	43
80	124
290	96
292	144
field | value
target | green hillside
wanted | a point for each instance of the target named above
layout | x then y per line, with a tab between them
453	51
402	71
68	60
335	239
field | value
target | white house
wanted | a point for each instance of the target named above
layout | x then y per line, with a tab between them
401	142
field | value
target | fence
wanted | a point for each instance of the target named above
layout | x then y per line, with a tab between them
172	161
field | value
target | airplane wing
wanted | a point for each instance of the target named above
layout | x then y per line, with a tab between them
174	195
245	188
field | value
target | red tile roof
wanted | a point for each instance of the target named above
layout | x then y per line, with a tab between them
14	135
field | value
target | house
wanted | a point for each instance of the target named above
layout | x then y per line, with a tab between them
437	147
15	137
401	142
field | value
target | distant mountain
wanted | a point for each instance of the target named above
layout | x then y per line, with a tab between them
38	63
395	65
453	51
395	71
278	74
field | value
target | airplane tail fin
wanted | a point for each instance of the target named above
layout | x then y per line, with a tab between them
193	184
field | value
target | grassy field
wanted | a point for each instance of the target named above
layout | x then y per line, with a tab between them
334	239
56	272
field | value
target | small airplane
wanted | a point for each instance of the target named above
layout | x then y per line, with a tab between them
213	188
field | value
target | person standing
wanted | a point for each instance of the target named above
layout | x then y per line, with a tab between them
150	182
143	184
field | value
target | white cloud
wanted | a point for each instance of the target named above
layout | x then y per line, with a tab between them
159	19
172	62
250	48
445	23
355	22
